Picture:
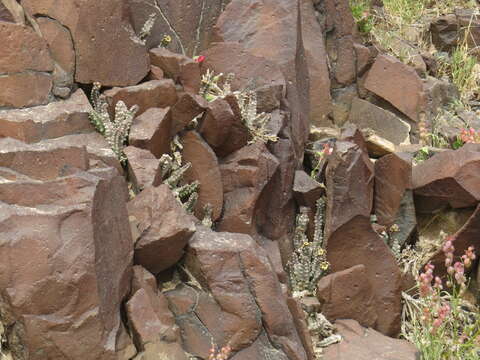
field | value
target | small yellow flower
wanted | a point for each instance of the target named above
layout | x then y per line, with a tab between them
394	228
324	265
167	39
321	252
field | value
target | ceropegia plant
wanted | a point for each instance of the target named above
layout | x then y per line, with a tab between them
116	131
255	122
172	172
308	262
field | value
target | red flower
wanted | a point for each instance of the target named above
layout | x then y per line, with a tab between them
200	59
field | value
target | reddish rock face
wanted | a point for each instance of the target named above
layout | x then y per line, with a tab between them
243	283
349	185
366	344
142	167
150	94
25	89
192	22
450	177
205	169
355	243
402	80
348	294
60	45
393	176
281	43
164	226
47	122
341	31
255	72
245	174
97	29
69	281
180	68
42	162
23	50
151	131
316	58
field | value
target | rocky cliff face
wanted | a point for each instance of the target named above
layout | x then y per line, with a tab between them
158	219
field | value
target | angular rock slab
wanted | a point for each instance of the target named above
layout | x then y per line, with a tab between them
450	177
164	227
365	344
97	29
206	170
75	284
150	94
393	176
245	173
50	121
143	167
356	243
243	283
389	126
348	294
402	80
349	180
152	131
180	68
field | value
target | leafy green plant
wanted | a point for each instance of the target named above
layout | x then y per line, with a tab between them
362	15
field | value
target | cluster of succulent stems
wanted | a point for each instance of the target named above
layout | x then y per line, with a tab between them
308	262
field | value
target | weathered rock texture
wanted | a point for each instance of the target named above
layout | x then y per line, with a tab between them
103	39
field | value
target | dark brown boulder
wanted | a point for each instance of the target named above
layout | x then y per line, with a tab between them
356	243
222	126
349	181
243	283
164	228
348	294
449	177
69	281
245	174
444	32
402	80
